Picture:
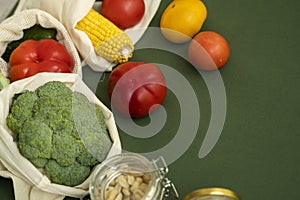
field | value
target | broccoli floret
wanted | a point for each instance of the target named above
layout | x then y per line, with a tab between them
23	104
85	157
13	124
54	89
21	110
65	149
101	118
38	162
79	98
71	175
82	110
64	126
35	140
92	132
88	114
98	144
52	110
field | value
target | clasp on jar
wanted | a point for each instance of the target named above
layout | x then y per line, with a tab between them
168	187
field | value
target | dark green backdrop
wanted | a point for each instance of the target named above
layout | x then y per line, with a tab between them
257	154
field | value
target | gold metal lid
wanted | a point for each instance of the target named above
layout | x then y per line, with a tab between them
215	191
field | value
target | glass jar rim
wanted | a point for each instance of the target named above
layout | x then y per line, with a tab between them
119	157
140	165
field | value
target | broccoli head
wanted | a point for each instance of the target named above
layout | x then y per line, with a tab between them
71	175
35	140
59	130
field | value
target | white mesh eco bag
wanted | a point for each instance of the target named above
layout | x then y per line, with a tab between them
28	181
11	29
70	12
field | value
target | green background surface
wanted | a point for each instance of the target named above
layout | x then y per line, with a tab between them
257	154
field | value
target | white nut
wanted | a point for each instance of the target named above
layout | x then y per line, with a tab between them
135	186
127	198
126	192
131	186
111	194
109	188
138	194
112	183
144	187
121	180
139	180
118	188
119	197
147	178
130	179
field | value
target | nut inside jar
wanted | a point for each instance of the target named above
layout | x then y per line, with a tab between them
128	186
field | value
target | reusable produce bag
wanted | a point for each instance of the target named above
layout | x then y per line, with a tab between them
11	29
30	183
70	12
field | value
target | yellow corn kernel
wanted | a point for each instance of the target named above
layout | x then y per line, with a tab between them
108	40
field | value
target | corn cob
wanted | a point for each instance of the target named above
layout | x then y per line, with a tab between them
108	40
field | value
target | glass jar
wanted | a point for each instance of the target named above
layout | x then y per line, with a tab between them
131	176
212	194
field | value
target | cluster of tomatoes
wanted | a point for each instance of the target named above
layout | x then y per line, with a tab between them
134	88
182	21
137	88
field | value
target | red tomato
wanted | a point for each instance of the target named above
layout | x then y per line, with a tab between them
46	55
123	13
136	88
208	51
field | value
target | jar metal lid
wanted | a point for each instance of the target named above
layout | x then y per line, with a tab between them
215	191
